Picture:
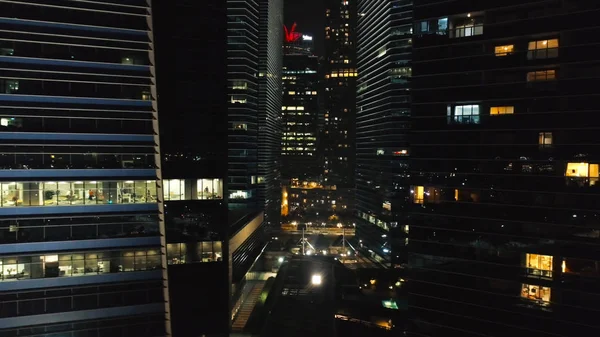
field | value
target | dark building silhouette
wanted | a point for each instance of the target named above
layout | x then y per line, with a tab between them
382	124
213	108
193	132
504	169
81	232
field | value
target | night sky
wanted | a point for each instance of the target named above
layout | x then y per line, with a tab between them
310	17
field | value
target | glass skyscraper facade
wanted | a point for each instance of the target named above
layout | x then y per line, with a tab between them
81	250
242	73
382	125
269	109
504	169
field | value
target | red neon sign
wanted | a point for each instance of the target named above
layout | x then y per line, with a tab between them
291	35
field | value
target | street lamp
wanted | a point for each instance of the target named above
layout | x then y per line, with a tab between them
316	280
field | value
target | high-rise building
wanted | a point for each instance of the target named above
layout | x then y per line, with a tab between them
504	168
269	109
300	107
339	95
204	235
82	245
242	73
382	122
193	136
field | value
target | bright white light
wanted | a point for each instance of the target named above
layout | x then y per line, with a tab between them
306	37
309	252
280	260
316	280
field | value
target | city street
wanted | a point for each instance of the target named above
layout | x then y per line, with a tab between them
323	244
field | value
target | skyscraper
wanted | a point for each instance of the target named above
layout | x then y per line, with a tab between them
242	68
269	109
81	236
210	246
193	135
382	122
339	95
504	167
300	107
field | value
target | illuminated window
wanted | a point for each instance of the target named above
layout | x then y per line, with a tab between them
543	49
542	75
583	170
11	122
291	92
209	189
468	27
545	139
582	173
536	293
238	99
539	265
502	110
239	194
418	194
463	114
240	126
504	50
174	189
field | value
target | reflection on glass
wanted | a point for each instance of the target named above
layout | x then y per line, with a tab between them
581	267
33	160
